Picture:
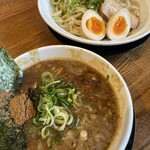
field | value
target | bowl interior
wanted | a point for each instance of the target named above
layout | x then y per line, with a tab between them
143	29
105	68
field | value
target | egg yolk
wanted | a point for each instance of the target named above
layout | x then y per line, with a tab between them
95	26
119	25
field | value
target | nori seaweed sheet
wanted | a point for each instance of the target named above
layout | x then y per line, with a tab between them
11	76
12	136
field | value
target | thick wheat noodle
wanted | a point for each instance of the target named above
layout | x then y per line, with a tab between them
71	22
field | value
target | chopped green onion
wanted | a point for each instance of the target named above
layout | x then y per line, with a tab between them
46	77
45	132
57	138
70	119
80	17
69	100
75	123
107	78
57	100
77	100
60	128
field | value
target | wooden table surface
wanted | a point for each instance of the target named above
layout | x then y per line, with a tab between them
22	29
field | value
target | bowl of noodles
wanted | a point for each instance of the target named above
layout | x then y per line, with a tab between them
102	117
69	18
63	97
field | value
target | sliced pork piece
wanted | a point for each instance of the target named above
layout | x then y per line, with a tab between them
134	20
109	7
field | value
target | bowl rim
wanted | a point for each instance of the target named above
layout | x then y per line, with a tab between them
130	123
72	37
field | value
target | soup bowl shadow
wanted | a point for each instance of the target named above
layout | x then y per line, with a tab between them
102	50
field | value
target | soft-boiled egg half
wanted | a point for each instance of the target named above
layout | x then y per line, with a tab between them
119	25
92	25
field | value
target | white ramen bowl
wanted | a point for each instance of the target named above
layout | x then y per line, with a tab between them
143	29
102	66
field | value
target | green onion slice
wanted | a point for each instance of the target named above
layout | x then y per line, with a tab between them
58	99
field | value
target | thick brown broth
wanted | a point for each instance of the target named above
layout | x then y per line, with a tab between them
98	116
